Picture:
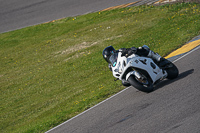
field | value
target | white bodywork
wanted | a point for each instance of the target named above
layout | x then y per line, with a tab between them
136	61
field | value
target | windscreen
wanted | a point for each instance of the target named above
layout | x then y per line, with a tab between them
113	59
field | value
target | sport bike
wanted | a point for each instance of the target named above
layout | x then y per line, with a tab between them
141	72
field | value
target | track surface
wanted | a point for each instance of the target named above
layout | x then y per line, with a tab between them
174	107
16	14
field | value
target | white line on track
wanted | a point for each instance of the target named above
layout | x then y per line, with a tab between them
112	96
187	53
88	110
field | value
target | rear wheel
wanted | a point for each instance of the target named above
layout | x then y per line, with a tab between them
172	71
142	84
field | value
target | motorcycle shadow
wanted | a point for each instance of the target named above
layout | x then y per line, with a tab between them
167	82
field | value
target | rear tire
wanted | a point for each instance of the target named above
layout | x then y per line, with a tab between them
172	71
140	86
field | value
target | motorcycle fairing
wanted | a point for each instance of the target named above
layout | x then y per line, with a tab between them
149	66
135	61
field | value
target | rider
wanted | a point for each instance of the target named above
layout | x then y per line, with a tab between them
141	51
111	55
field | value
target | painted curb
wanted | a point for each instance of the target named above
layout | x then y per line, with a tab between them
184	49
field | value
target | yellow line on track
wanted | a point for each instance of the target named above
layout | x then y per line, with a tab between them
120	6
185	48
164	1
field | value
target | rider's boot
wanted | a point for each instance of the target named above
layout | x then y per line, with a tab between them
160	61
155	56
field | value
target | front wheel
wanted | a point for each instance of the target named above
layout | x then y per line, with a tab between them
144	85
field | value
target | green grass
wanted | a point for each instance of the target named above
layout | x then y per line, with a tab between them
52	72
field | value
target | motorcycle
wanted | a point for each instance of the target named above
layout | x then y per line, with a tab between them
143	73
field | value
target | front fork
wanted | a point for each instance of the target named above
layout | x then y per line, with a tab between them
138	75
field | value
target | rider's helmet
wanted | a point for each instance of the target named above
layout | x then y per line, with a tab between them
107	52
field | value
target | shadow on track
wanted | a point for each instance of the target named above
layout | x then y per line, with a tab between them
181	76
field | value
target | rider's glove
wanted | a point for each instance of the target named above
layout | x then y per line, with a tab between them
123	51
128	52
131	51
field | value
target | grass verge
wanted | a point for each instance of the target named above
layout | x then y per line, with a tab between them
52	72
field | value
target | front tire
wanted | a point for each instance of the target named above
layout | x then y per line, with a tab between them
125	83
147	87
